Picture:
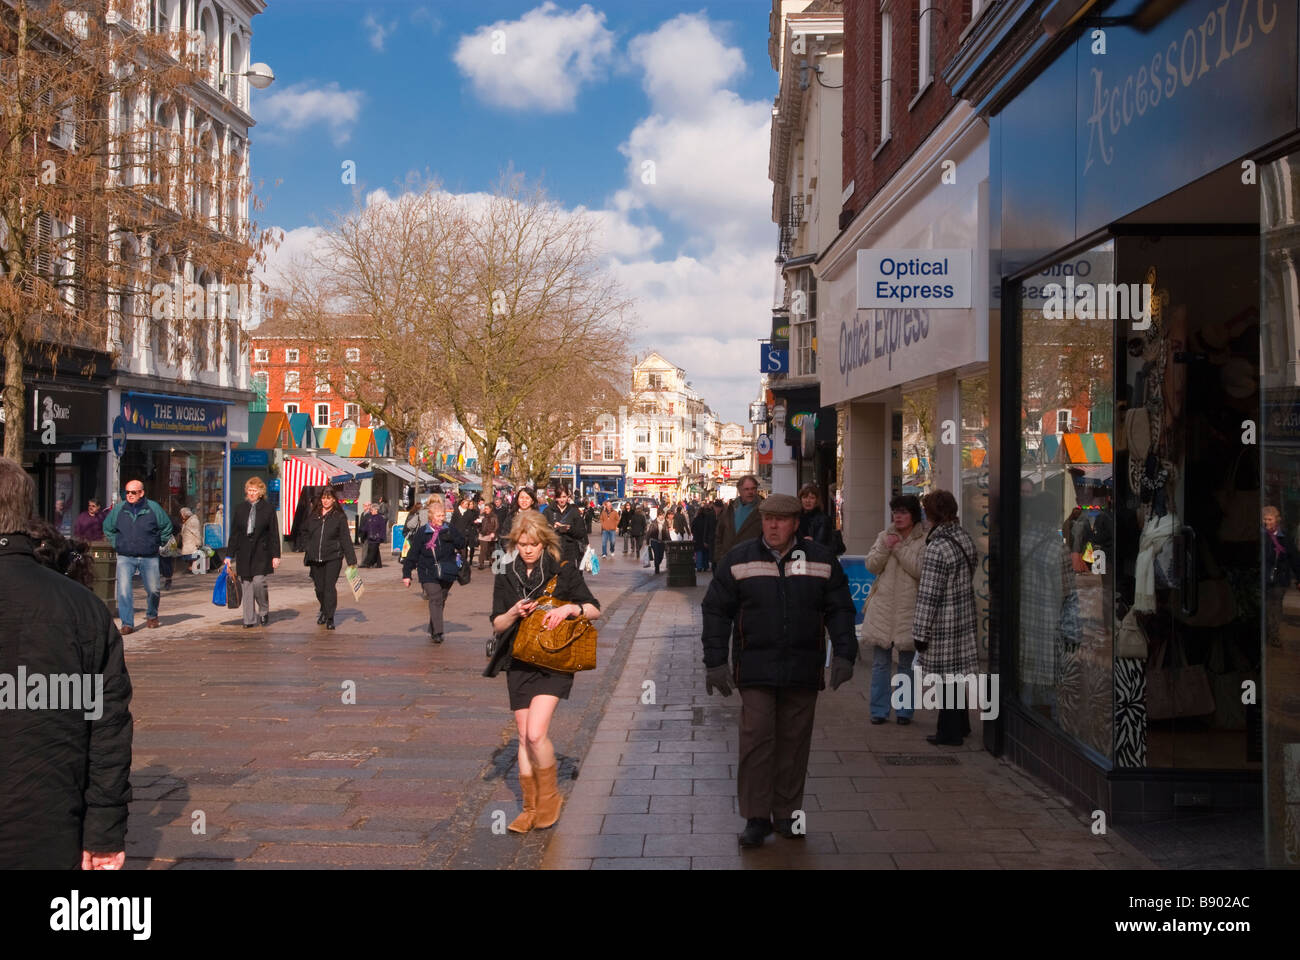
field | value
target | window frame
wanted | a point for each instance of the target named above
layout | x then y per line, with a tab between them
290	409
291	355
329	412
352	411
262	355
352	355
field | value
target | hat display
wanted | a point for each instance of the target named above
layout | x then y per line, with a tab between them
781	504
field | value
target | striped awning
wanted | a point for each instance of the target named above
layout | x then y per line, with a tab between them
267	431
298	472
1078	448
350	441
301	430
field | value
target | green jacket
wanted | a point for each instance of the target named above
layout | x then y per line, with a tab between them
139	532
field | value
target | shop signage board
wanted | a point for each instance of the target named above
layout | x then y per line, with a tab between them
914	279
860	581
74	413
250	458
146	414
607	470
773	359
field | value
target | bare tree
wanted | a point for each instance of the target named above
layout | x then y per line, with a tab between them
97	187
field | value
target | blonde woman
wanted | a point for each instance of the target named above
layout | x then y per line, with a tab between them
255	551
532	558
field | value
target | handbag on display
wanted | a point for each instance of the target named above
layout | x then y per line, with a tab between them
1131	639
570	646
1175	689
1240	523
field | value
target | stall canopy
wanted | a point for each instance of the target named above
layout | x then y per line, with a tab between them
352	470
405	472
298	472
1078	448
267	431
382	437
301	430
350	441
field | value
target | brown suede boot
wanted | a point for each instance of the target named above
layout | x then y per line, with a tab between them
524	822
549	800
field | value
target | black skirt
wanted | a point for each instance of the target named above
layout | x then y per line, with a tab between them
525	681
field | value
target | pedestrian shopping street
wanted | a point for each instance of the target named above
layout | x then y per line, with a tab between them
246	735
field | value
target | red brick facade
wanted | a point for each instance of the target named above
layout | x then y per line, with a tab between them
910	122
280	363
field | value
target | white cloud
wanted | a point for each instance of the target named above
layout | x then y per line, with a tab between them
537	62
425	15
378	31
301	106
293	254
684	63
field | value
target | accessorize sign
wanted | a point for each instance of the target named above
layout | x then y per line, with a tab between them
144	414
914	279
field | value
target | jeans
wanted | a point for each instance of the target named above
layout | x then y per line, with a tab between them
657	553
127	567
701	559
882	690
607	542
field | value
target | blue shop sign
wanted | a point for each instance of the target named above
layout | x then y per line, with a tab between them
773	359
250	458
156	413
860	581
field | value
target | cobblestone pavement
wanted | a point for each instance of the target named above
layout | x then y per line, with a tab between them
658	788
245	733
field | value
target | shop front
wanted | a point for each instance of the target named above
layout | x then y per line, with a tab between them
179	447
601	482
66	448
1125	237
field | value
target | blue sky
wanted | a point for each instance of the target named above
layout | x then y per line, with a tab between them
582	96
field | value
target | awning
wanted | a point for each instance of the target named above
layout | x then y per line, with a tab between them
297	472
351	469
350	441
300	429
405	472
382	437
1078	448
268	431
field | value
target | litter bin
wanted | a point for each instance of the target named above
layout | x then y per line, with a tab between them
680	555
104	562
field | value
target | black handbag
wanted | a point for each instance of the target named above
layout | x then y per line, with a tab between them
463	576
234	589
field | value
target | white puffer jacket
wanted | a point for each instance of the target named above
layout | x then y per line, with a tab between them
893	595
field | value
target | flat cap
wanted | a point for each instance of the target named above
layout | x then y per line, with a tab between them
781	504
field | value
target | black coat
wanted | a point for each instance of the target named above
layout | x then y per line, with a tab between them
436	565
1278	570
327	538
64	779
703	526
777	613
573	541
624	519
464	522
507	521
253	555
510	586
636	526
815	525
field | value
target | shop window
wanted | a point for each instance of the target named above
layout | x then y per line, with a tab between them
352	354
1066	673
262	356
290	356
322	414
975	466
291	381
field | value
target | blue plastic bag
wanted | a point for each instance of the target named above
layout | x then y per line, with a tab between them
219	590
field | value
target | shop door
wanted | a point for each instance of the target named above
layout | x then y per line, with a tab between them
1187	516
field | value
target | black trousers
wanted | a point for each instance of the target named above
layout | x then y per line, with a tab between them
953	724
371	559
325	577
776	728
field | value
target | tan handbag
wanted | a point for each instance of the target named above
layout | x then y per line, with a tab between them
567	648
1131	639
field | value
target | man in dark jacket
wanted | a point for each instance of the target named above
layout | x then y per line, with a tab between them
702	529
374	528
433	552
740	520
566	520
774	599
137	528
66	760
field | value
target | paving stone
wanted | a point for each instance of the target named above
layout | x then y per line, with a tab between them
654	788
641	863
645	823
690	845
946	861
883	841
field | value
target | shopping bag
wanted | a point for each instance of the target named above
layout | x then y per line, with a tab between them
355	583
595	564
219	592
587	556
645	556
234	588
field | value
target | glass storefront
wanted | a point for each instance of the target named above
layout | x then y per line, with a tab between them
974	493
920	417
179	474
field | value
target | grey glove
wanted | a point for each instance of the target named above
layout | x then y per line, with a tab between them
719	677
841	672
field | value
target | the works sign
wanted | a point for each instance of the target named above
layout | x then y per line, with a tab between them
143	413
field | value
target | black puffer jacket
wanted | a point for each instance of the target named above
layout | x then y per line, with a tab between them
326	538
777	613
815	525
573	541
434	557
64	778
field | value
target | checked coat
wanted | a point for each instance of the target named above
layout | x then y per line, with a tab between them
945	602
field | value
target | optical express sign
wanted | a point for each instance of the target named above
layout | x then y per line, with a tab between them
914	279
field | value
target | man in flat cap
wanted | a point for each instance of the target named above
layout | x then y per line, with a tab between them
775	598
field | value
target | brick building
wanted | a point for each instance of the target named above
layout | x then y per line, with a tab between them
295	373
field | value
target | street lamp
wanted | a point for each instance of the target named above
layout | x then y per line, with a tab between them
259	76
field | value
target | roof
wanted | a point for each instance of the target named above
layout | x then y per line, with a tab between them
344	326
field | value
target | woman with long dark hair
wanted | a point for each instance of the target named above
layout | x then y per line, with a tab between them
525	499
814	524
533	559
327	542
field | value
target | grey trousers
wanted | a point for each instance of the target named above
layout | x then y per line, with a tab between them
437	596
776	727
255	593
